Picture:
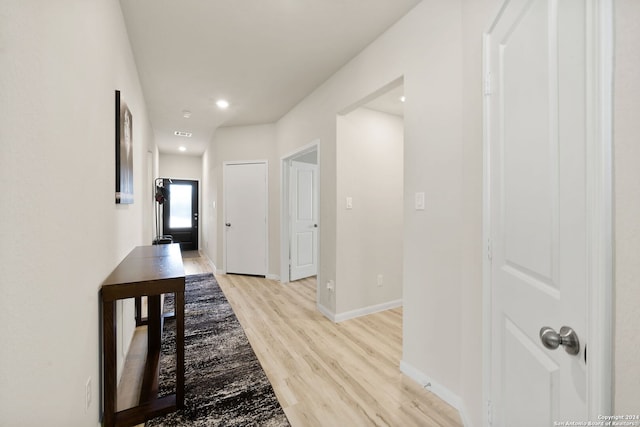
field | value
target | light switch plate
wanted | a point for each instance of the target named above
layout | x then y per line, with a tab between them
419	201
349	202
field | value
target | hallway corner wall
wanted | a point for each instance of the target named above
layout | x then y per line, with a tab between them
61	231
626	207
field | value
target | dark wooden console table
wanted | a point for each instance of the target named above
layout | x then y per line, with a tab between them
147	271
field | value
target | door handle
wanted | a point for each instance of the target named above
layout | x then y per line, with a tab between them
315	225
228	224
566	338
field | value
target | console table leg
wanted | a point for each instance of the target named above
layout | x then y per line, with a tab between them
149	390
154	330
110	358
179	308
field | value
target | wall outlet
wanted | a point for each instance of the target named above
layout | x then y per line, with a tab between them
380	280
87	394
331	285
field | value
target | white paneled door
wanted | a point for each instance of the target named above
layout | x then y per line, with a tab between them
304	220
538	106
245	219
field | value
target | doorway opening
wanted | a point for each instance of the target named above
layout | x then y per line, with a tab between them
370	204
300	242
180	213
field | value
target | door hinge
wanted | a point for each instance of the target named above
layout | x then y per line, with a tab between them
489	413
489	254
487	83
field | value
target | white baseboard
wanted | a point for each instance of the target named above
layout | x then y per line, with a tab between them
326	312
273	277
341	317
211	263
439	390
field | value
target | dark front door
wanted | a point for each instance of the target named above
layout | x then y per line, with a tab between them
180	213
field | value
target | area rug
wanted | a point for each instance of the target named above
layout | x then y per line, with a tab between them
224	382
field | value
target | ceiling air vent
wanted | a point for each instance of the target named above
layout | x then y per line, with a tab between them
180	133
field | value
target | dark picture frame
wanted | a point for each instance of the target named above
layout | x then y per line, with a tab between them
124	152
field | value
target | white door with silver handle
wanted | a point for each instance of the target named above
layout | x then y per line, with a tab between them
537	107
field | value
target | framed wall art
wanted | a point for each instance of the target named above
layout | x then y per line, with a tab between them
124	152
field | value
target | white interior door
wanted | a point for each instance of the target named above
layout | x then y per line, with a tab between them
245	198
304	220
537	138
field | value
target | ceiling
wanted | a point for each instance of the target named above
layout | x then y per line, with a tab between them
263	56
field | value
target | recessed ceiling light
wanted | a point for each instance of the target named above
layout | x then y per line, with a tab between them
181	133
186	114
402	98
181	148
222	103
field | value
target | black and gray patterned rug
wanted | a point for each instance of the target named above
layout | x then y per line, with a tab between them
224	382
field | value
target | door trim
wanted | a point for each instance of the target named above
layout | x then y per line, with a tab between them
599	168
600	172
285	223
222	220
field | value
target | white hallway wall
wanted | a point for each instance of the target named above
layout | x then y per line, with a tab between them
627	206
61	232
181	167
369	236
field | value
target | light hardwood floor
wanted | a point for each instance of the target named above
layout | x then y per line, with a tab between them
323	373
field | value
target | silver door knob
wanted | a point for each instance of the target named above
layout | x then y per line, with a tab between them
566	338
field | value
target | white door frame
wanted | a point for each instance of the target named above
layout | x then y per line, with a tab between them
600	217
285	223
224	207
